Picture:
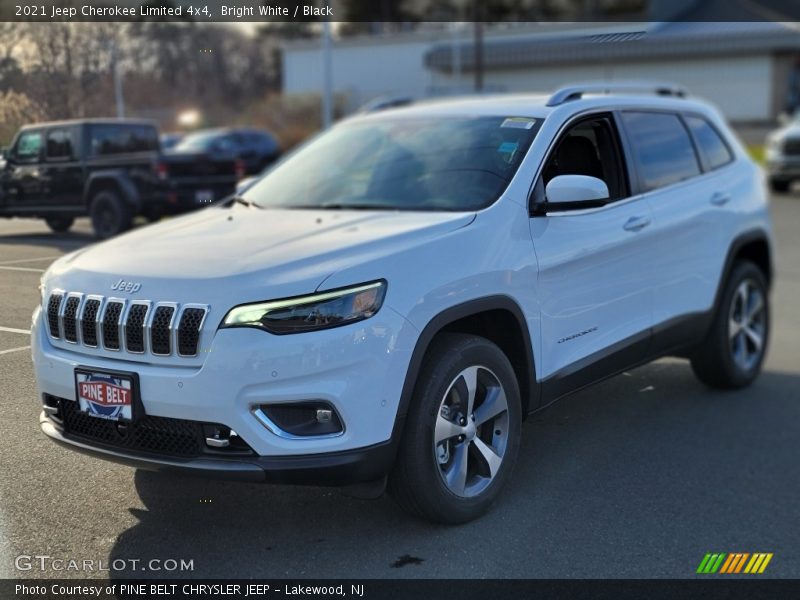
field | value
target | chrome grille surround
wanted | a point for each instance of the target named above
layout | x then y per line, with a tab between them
122	325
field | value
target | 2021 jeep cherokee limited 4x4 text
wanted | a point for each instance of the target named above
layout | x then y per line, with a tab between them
396	296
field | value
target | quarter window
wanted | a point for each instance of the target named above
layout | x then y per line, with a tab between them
662	148
121	139
713	150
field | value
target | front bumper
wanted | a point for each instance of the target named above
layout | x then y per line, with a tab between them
783	168
358	369
340	468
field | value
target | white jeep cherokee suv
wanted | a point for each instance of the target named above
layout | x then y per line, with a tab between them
396	296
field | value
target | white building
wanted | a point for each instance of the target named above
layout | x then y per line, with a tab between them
750	70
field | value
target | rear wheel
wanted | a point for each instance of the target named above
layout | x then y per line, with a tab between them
462	432
59	224
110	215
732	354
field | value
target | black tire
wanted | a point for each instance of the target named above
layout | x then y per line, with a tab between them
153	215
418	479
727	360
780	186
59	224
110	215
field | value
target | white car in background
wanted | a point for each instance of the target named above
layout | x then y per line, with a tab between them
393	299
783	155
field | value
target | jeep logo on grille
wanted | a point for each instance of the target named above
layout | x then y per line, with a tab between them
131	287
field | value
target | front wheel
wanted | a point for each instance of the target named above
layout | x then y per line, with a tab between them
732	354
462	431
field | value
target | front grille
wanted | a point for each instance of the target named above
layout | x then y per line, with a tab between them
123	325
70	316
164	436
791	146
160	330
189	330
111	325
89	322
134	328
53	306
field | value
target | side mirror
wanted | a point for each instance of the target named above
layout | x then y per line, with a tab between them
575	191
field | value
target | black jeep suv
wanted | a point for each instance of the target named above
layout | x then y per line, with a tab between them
110	169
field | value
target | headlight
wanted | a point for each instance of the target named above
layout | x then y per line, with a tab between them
309	313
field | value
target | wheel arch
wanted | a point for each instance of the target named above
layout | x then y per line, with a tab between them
497	318
113	180
753	245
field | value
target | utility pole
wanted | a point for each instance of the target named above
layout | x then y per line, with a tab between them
327	75
478	16
455	51
120	100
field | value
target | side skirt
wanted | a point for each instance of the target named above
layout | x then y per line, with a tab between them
672	338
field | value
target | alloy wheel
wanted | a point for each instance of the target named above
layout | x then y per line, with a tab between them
472	431
747	325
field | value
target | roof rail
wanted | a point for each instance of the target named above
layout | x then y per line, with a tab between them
576	92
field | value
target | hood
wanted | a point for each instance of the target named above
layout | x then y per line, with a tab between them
792	130
281	248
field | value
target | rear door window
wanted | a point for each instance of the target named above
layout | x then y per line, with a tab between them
661	147
59	144
714	152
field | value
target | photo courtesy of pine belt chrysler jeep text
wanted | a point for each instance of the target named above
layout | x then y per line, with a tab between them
392	299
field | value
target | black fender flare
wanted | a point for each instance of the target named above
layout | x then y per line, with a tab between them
529	388
118	179
739	242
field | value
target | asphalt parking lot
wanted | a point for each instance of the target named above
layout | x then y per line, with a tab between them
640	476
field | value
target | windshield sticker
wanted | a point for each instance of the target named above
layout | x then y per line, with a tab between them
508	149
518	122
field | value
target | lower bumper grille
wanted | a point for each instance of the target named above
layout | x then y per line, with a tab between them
154	435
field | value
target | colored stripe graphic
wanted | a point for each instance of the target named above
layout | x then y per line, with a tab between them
727	565
711	563
758	563
734	562
741	562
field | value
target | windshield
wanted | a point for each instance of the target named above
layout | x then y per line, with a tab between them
452	164
203	142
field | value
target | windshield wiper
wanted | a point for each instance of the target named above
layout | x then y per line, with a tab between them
228	202
344	206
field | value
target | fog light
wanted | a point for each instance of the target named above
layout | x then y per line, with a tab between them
300	419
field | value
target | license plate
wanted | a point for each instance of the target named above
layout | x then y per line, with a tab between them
105	395
204	196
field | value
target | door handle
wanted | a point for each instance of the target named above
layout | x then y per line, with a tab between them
636	223
720	199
